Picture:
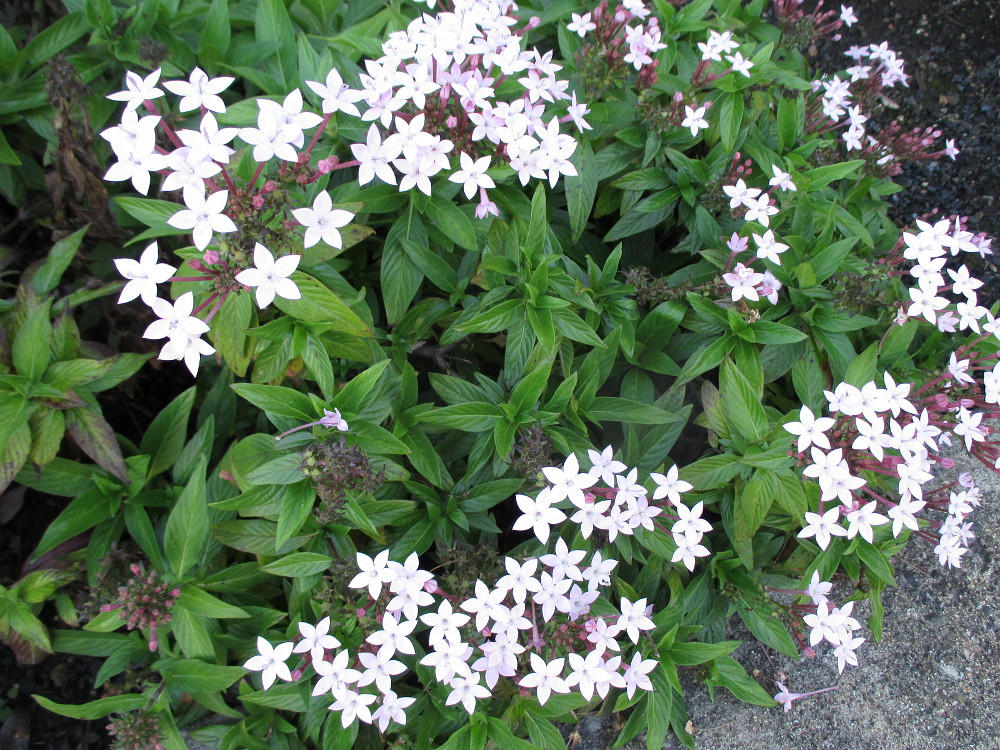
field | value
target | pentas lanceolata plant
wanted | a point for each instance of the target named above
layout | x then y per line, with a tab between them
438	103
439	261
532	626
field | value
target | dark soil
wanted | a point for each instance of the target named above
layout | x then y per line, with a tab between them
952	58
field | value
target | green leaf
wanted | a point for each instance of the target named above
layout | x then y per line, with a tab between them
356	394
255	536
500	734
217	33
92	433
13	454
291	696
543	735
731	119
187	529
705	359
688	654
875	561
197	676
95	709
864	367
530	388
83	513
808	381
790	495
473	417
769	629
284	469
495	318
538	226
569	324
451	221
70	373
612	409
151	212
727	672
766	332
742	403
229	334
828	260
30	350
581	190
319	304
202	603
821	176
790	119
295	510
47	429
712	471
278	402
165	437
298	564
752	503
400	277
484	496
47	276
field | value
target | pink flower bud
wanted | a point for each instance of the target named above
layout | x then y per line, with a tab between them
534	22
941	400
431	587
451	122
269	186
296	675
258	202
361	613
946	463
211	257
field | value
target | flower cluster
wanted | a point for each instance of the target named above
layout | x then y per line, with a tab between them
830	623
619	507
145	602
744	281
510	630
891	433
532	626
847	103
436	92
434	97
928	249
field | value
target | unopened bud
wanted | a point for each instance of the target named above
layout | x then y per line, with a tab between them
258	202
451	122
269	187
946	463
211	257
534	22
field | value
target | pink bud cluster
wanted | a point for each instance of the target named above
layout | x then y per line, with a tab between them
144	602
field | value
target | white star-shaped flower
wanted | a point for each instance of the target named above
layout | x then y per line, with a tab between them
322	221
270	276
270	662
143	276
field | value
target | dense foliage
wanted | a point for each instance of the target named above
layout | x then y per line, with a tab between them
467	277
